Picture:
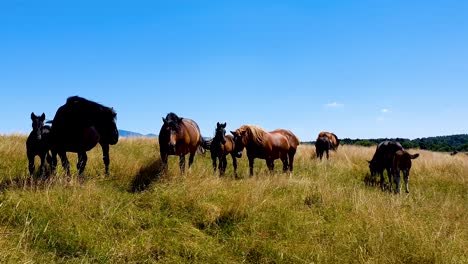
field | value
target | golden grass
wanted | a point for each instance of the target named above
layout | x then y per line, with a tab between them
322	213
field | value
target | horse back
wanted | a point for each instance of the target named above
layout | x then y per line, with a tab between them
191	133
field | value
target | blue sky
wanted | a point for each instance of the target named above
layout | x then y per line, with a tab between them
361	69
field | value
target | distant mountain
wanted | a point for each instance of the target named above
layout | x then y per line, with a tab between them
126	133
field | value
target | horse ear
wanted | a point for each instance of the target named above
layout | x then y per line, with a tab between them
415	156
233	132
33	116
223	125
42	117
217	124
164	120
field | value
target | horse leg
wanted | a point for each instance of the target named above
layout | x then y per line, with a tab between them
53	162
382	180
164	157
234	164
105	157
31	165
182	163
191	157
328	154
223	165
406	177
82	159
291	160
213	158
65	163
284	159
270	164
43	162
397	181
390	176
251	165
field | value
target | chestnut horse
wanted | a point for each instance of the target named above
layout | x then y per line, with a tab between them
334	140
179	136
277	144
383	160
221	146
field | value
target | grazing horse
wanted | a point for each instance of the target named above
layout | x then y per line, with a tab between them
77	127
278	144
322	144
334	140
221	146
179	136
383	160
37	143
402	162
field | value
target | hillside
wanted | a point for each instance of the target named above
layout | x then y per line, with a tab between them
126	133
322	213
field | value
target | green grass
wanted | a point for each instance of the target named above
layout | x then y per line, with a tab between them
322	213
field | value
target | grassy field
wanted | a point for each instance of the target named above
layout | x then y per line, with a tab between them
322	213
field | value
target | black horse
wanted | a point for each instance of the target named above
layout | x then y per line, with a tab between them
322	144
77	127
38	143
221	146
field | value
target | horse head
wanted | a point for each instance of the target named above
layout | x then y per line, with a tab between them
107	126
37	124
170	129
220	133
240	140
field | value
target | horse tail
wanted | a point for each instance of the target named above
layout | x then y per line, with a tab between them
204	145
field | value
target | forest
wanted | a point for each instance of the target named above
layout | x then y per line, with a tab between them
452	143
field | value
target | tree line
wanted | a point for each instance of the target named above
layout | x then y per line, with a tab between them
440	143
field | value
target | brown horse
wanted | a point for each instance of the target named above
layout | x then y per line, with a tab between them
322	144
221	146
278	144
334	140
402	162
179	136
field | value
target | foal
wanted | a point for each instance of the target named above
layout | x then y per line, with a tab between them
38	143
221	146
402	162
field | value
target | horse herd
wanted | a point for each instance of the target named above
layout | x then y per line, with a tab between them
80	124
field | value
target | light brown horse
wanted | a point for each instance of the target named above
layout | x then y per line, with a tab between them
402	162
277	144
334	140
179	136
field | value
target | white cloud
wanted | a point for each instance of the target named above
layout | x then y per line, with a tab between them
385	110
334	105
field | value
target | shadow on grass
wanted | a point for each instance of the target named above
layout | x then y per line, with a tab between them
147	174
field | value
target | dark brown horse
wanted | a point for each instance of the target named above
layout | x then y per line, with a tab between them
179	136
383	160
221	146
322	144
278	144
38	143
78	126
334	140
402	162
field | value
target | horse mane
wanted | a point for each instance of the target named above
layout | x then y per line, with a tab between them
256	133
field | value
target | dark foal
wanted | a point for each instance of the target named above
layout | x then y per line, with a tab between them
38	143
221	146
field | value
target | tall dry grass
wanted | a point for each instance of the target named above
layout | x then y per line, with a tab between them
322	213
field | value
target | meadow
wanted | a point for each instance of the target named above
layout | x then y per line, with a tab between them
322	213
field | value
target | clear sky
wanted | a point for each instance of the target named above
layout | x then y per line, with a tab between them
361	69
